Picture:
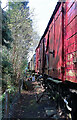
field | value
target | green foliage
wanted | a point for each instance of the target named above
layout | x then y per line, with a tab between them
7	71
6	63
24	64
22	31
17	34
6	32
16	27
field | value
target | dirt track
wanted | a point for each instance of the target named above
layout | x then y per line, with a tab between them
27	107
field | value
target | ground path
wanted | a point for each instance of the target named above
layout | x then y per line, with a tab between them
27	107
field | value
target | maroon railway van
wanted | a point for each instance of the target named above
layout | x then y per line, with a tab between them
56	54
61	43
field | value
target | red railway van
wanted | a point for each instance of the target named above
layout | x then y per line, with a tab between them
58	45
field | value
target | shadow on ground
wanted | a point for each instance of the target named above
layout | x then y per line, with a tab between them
27	107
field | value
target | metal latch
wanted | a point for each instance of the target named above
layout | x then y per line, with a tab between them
52	52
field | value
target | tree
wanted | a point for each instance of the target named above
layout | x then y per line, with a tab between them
6	32
6	44
22	31
19	28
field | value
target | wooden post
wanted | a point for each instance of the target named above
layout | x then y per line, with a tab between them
22	84
0	105
19	87
6	104
18	78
